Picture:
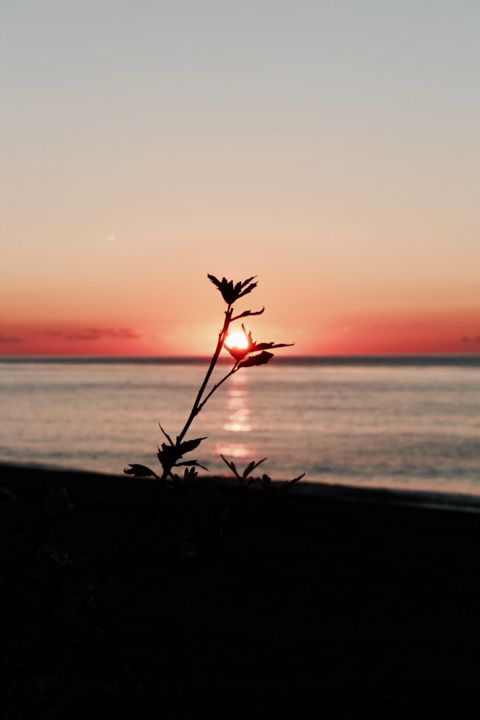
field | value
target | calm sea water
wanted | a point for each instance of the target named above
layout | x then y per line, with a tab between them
411	424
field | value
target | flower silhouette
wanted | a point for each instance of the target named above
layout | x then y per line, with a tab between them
232	292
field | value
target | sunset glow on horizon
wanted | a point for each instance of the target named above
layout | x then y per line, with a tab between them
332	150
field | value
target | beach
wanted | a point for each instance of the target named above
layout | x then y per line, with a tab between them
235	603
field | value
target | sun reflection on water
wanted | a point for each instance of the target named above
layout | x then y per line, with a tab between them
237	406
234	451
238	420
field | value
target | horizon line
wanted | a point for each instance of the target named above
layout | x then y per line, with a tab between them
473	355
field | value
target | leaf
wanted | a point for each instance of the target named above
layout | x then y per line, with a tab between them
168	455
271	345
248	469
245	282
247	313
166	434
259	462
261	359
251	467
295	480
139	471
287	485
231	465
247	290
214	280
189	445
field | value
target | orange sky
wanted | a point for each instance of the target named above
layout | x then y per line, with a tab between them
331	149
349	334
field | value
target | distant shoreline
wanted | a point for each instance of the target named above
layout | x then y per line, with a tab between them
471	359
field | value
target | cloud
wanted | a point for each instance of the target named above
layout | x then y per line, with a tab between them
470	339
5	338
92	333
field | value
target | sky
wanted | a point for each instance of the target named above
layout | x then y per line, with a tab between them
330	148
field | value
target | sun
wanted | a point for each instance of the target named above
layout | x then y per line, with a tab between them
237	339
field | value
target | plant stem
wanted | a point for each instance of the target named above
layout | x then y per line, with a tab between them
215	387
197	404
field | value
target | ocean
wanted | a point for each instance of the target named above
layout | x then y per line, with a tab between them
396	422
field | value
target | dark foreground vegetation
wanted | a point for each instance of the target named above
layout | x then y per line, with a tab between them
231	603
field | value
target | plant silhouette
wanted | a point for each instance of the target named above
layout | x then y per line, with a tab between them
171	454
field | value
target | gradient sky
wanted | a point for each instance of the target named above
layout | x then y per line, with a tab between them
331	148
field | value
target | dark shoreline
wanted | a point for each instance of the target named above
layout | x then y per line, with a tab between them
295	605
36	478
